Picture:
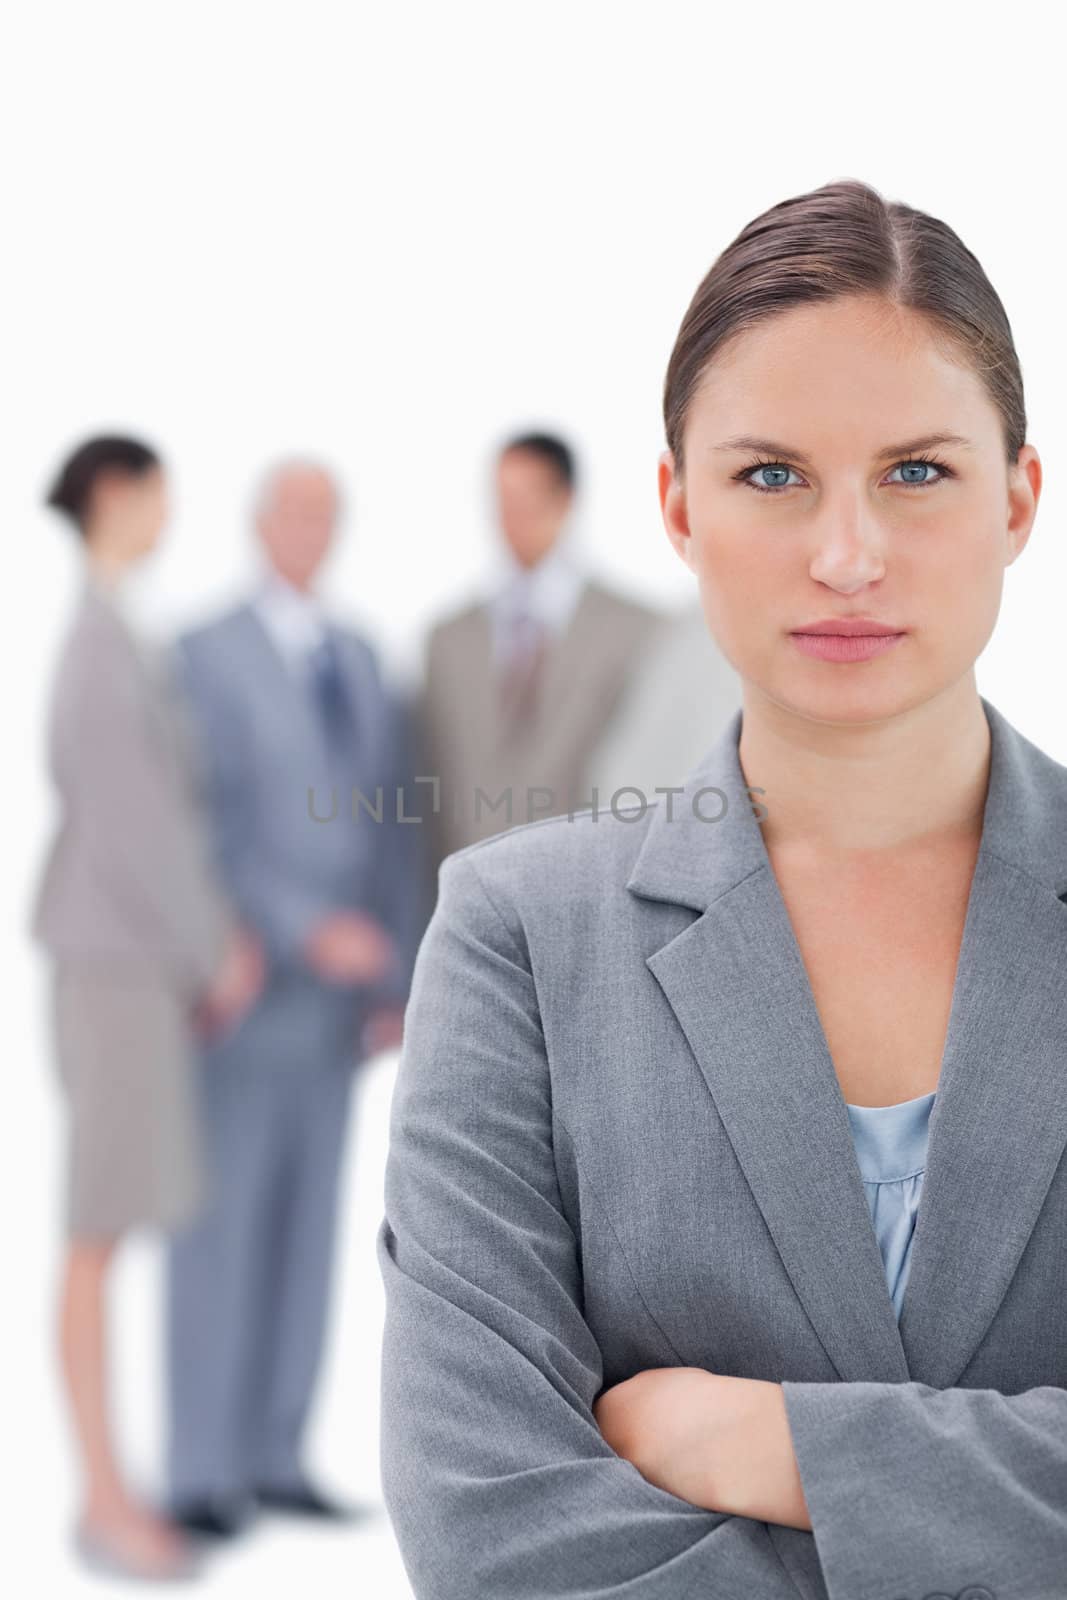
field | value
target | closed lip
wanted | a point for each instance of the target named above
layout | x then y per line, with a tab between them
849	627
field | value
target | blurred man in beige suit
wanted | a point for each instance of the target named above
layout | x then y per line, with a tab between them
520	683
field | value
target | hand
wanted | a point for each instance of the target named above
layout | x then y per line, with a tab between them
383	1029
349	947
719	1442
235	987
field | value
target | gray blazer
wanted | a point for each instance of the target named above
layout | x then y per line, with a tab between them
463	743
127	883
618	1142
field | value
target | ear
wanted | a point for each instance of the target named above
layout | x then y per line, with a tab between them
1024	491
674	509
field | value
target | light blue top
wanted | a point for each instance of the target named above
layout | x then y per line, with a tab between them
890	1146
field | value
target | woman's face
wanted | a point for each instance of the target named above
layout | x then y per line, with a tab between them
129	512
813	489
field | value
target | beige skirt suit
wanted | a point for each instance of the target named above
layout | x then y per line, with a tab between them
129	912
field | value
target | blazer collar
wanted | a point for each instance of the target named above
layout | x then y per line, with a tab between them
735	980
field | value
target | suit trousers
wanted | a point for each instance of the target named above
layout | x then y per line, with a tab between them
248	1283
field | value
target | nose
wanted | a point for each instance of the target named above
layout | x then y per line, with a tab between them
849	543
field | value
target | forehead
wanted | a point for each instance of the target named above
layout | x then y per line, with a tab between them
302	483
847	373
528	466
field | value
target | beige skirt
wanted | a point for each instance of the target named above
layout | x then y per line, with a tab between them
135	1154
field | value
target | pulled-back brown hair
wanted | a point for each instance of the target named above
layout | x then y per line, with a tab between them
72	486
838	240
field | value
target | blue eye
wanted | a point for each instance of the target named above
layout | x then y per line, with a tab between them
772	477
918	472
773	474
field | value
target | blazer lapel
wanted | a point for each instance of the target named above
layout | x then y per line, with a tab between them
271	670
571	656
736	983
999	1124
292	711
368	701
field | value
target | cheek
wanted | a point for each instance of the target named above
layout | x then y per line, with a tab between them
737	578
313	544
975	592
960	559
738	564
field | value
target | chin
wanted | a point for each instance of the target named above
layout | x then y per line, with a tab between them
842	704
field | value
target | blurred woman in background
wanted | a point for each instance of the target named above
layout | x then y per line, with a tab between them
143	948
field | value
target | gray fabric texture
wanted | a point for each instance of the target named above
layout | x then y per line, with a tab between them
618	1141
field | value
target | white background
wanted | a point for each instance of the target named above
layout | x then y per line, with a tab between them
387	234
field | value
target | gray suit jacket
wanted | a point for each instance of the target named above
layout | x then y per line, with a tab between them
288	846
618	1142
462	740
127	883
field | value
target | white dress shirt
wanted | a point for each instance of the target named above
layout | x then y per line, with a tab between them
293	618
548	592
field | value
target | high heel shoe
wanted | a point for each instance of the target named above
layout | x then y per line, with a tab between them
108	1557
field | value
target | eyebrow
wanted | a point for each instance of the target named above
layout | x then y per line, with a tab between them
893	452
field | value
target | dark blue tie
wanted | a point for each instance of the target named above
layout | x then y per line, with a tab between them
331	698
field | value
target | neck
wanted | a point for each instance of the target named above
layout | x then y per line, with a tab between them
557	549
286	582
107	565
831	789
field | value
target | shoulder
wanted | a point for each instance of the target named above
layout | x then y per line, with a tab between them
214	633
1026	813
211	660
552	875
454	624
217	678
98	653
621	608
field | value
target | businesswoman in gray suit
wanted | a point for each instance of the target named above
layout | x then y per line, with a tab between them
725	1235
142	947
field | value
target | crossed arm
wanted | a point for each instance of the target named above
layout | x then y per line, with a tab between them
720	1442
507	1468
495	1474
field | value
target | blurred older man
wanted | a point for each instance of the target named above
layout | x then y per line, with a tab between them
308	763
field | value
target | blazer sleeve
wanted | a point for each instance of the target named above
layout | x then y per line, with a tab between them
913	1490
140	817
280	909
496	1477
